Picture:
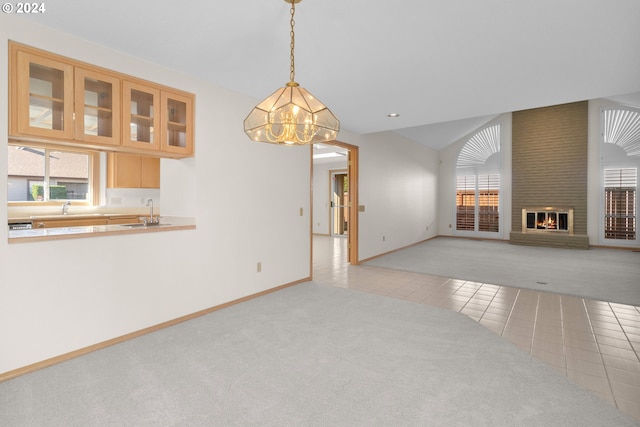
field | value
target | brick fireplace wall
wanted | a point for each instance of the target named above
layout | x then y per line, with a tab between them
550	169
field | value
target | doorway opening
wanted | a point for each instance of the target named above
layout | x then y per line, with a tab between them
339	203
341	212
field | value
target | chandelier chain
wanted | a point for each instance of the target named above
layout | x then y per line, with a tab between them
291	115
292	68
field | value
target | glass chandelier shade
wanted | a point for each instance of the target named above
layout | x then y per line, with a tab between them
291	115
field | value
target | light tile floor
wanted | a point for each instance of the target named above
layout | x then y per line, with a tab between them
596	344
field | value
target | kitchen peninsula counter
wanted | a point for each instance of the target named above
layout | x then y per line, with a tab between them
57	233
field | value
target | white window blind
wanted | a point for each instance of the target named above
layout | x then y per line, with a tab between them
620	192
488	197
480	147
622	127
465	202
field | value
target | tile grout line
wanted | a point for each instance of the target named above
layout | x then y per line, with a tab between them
564	340
535	323
489	305
513	305
595	339
624	332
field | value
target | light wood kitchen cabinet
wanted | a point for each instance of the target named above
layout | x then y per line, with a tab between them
97	107
57	100
140	116
176	122
132	171
41	95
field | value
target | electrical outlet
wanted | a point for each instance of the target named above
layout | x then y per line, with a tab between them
301	211
259	267
116	200
384	239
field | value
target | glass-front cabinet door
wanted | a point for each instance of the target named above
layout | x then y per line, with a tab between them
140	116
177	123
42	90
97	107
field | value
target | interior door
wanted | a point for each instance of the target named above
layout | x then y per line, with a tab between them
339	204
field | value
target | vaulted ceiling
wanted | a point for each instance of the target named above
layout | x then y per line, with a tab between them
445	67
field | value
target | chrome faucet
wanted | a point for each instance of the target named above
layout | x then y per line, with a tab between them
151	220
65	207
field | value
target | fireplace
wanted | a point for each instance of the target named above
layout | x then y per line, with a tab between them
548	226
547	220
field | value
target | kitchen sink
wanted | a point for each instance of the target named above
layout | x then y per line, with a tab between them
142	224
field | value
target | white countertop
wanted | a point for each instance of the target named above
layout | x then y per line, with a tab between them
38	234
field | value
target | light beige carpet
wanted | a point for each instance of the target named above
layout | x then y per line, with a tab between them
309	355
611	275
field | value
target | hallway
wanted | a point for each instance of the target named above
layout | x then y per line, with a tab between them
595	344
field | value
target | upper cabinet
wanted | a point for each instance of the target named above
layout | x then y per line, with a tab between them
140	116
57	100
97	107
177	123
41	93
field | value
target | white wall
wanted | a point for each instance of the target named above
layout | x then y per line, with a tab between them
58	296
398	189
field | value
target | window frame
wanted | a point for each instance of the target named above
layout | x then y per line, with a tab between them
624	119
603	208
477	194
477	158
94	175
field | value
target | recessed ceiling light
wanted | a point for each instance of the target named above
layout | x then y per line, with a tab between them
393	115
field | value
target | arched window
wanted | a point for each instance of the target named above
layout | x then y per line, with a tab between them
478	182
620	162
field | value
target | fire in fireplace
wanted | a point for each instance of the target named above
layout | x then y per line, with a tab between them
547	219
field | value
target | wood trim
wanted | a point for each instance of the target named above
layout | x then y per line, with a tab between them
354	197
94	175
94	171
353	170
80	352
311	210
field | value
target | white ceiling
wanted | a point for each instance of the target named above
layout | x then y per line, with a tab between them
445	66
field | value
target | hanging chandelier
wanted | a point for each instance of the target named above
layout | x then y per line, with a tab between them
291	115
